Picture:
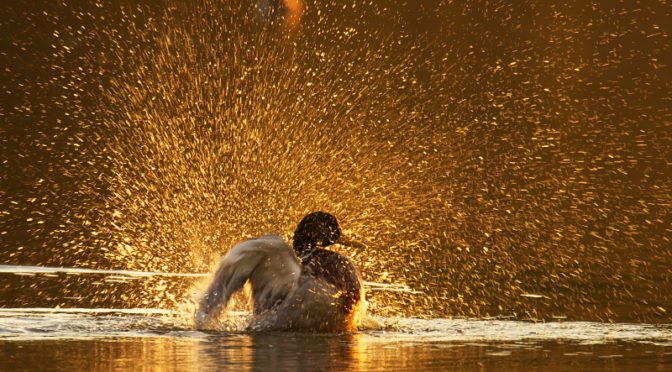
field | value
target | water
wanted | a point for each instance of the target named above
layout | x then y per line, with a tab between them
82	338
104	339
505	163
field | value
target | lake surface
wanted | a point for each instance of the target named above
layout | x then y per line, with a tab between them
81	338
140	339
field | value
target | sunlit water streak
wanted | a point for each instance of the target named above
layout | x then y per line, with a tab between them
131	274
22	269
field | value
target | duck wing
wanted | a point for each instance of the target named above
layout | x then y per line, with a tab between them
311	307
267	262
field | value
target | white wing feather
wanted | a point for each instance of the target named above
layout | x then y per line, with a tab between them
267	262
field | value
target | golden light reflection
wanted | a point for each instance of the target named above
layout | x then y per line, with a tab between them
329	352
504	159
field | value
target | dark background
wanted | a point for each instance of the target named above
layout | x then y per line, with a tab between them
483	150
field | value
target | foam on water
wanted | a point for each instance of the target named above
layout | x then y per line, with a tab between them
478	330
81	323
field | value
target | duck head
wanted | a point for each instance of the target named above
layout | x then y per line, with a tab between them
319	230
316	230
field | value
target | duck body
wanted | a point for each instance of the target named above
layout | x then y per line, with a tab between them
338	270
320	292
329	297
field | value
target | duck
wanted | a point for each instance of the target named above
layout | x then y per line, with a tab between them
305	287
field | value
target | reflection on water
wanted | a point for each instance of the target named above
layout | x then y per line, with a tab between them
298	352
338	353
95	339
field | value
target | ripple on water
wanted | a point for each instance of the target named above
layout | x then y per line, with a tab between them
479	330
82	323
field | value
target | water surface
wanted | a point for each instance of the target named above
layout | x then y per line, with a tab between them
84	335
104	339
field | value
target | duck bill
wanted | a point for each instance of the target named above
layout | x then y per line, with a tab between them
349	242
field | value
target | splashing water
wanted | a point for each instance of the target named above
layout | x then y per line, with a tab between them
503	160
